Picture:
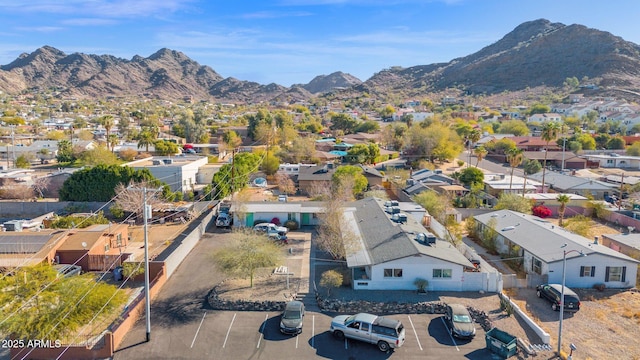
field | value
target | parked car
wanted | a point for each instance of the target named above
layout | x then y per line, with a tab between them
278	236
224	220
291	318
266	227
552	292
386	333
459	322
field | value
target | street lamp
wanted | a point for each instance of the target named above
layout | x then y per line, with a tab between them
564	268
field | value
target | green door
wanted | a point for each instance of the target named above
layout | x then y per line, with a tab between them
305	219
249	220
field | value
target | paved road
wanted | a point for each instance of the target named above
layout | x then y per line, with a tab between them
183	327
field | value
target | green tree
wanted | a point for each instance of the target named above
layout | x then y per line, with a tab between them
539	109
351	175
616	143
164	148
331	279
344	122
471	176
99	182
549	133
434	203
563	199
246	253
358	154
23	162
480	152
587	142
98	155
65	152
146	138
270	164
38	304
369	127
634	149
234	176
514	157
531	166
515	127
514	202
107	122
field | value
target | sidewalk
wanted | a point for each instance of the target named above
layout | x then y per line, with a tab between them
493	260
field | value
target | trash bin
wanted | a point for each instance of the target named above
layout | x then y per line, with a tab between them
117	273
501	343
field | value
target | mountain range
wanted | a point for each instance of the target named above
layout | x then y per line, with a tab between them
536	53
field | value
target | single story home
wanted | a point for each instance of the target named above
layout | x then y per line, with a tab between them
628	244
576	205
614	160
305	213
98	247
543	247
387	255
569	184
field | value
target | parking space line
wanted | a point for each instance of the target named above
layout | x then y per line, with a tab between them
450	336
197	331
264	323
346	344
229	330
297	337
313	331
415	332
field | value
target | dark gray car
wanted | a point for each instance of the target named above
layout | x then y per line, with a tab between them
291	319
459	322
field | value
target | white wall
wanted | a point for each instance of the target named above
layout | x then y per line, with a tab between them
412	268
572	274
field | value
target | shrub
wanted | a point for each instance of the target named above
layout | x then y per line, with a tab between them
541	211
599	287
331	279
291	225
421	284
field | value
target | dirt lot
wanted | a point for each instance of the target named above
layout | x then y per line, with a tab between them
606	326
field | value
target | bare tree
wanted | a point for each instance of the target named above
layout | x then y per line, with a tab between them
131	198
285	184
41	185
334	234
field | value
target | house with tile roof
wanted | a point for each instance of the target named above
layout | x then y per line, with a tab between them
387	255
539	243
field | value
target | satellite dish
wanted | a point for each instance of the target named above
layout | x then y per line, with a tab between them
84	245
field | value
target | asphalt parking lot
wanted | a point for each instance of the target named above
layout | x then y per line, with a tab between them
253	335
184	327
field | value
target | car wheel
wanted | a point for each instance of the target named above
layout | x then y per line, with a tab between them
338	334
383	346
539	294
554	307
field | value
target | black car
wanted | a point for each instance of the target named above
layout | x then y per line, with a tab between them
292	316
552	292
459	322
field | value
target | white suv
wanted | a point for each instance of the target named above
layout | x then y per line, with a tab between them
270	227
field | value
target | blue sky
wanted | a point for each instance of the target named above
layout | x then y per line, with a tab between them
292	41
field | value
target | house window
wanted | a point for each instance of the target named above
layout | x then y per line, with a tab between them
106	247
536	266
615	273
609	161
392	273
442	273
291	216
587	271
119	240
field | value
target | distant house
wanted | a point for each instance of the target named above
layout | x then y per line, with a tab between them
539	244
498	184
544	118
556	158
24	248
534	143
577	203
628	244
315	177
385	255
570	184
614	160
373	176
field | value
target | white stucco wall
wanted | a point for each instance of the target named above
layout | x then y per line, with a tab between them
572	275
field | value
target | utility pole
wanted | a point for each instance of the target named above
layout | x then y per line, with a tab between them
621	185
233	171
13	146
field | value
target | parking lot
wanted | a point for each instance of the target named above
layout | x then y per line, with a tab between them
184	327
251	335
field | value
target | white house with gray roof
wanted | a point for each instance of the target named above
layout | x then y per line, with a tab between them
385	255
540	242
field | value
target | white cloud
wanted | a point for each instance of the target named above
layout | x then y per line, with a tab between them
96	8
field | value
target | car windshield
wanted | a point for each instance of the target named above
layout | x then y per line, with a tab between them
350	319
461	318
291	314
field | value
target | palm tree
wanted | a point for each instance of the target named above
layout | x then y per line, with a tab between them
563	199
514	157
145	139
549	133
480	152
107	122
472	138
